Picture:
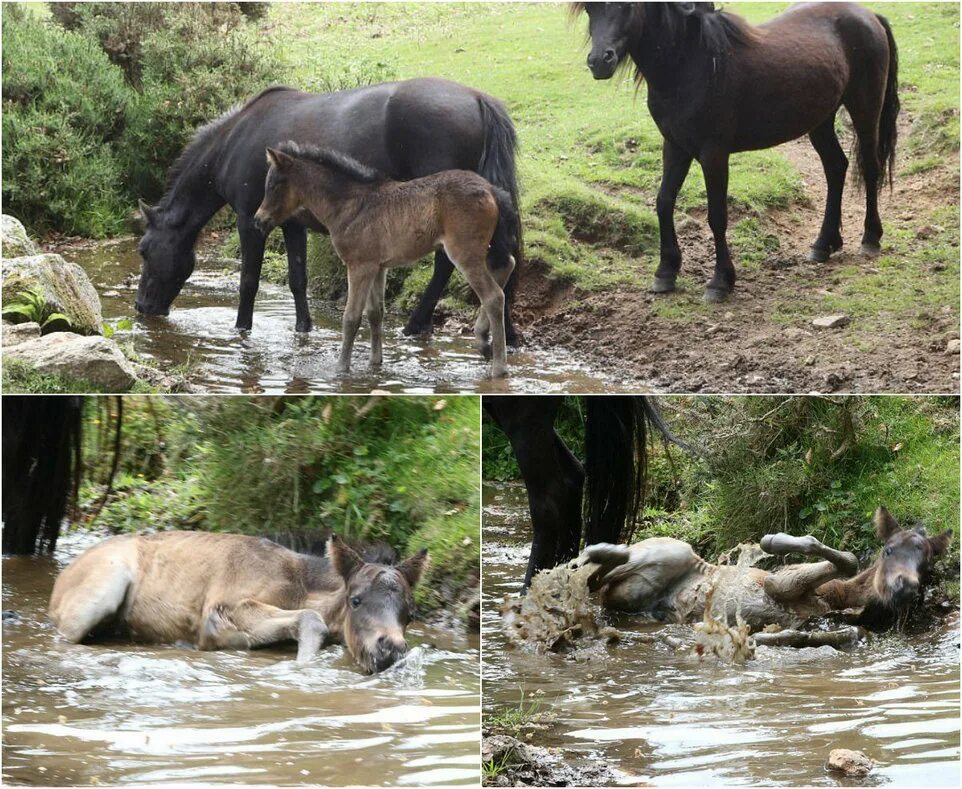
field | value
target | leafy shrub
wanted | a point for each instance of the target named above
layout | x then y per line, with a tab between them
63	106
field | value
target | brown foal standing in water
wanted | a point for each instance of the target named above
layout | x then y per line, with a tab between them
376	224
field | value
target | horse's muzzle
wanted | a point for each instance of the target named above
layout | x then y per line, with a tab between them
603	66
387	653
263	223
145	309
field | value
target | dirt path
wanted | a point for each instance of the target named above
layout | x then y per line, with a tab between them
762	339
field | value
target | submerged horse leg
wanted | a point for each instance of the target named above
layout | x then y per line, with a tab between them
835	164
295	239
252	258
250	624
360	279
797	580
714	165
675	165
375	317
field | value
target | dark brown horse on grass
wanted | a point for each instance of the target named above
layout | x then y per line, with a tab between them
718	85
230	591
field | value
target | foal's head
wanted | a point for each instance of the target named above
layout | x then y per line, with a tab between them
378	604
903	562
168	260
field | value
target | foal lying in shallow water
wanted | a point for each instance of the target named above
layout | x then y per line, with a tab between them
665	578
376	224
230	591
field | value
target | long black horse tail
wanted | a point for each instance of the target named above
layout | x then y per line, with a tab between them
499	167
888	134
505	240
616	465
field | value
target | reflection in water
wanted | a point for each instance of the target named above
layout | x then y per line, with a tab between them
199	335
120	713
662	717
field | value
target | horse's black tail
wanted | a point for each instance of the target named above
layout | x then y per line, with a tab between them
616	464
505	240
888	124
498	166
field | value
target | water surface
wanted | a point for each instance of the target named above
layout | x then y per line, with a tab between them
199	337
135	714
663	718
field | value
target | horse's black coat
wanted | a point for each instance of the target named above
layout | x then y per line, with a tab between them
404	129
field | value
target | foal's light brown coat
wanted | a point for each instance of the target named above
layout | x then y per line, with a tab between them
230	591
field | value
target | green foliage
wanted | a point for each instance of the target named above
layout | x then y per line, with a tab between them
64	105
33	307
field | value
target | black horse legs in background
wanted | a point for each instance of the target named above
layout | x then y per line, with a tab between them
421	321
615	464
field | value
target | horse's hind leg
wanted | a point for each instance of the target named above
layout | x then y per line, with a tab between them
375	317
835	165
250	624
865	116
794	581
88	594
476	272
295	239
360	278
482	325
675	165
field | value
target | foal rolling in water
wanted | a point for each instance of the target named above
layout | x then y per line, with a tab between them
376	223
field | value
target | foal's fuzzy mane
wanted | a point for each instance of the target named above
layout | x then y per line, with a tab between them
718	31
334	160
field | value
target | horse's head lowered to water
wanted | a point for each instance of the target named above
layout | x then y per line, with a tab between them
378	604
168	260
899	572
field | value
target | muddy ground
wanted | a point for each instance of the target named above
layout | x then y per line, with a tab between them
749	343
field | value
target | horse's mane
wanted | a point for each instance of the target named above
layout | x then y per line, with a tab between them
718	31
341	163
314	542
198	144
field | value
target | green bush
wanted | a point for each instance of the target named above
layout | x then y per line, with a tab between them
64	105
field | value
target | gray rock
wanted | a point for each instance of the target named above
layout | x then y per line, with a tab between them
93	359
850	762
952	346
16	333
831	322
66	288
14	239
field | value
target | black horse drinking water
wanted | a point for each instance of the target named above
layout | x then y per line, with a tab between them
403	129
718	85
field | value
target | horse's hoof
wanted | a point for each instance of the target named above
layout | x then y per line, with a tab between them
817	255
303	328
485	351
663	285
514	339
499	372
715	295
417	330
870	250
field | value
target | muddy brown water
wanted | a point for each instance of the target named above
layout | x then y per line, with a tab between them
135	714
660	717
199	336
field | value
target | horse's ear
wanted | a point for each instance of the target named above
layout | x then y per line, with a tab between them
278	159
885	524
940	543
149	214
344	558
413	567
687	9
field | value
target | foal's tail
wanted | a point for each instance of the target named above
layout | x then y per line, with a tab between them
888	129
498	166
506	238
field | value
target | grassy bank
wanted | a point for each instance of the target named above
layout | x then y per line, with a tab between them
399	470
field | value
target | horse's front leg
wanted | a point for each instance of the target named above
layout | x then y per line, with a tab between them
798	580
250	624
714	164
674	169
295	239
252	258
360	278
421	320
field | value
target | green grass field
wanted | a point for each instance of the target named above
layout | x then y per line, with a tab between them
590	153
